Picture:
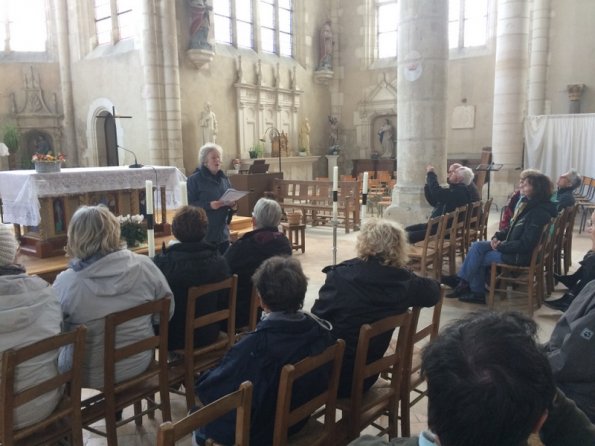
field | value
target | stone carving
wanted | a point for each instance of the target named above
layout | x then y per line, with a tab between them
200	24
326	43
208	122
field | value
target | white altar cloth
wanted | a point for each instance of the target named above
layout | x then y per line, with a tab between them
20	190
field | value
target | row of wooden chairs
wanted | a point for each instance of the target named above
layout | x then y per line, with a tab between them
158	378
448	235
585	198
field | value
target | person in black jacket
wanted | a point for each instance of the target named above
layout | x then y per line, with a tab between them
246	254
285	336
205	188
368	288
444	199
191	262
513	246
567	183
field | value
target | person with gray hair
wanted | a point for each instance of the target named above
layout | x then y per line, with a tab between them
205	187
103	278
567	183
468	180
247	254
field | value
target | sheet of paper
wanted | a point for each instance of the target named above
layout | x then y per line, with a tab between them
232	195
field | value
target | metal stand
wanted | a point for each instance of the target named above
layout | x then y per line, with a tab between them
491	167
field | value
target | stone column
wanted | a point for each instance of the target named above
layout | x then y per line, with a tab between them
152	64
540	27
68	137
421	105
509	94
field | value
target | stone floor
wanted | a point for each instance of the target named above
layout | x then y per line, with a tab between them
319	253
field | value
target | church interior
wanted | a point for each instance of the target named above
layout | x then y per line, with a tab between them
305	85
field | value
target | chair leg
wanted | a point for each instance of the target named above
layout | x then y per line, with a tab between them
138	408
405	415
493	273
531	290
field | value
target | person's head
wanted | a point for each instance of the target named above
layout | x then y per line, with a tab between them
488	381
385	240
453	167
93	230
537	186
525	173
570	179
8	246
209	156
281	284
190	224
266	214
465	174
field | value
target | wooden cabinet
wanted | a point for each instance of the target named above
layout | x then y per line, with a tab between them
257	184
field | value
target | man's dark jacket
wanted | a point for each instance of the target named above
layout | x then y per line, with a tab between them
358	292
245	255
445	199
565	198
185	265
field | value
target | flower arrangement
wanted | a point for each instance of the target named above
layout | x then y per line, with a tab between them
132	229
48	157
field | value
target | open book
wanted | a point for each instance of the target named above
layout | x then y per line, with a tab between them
231	195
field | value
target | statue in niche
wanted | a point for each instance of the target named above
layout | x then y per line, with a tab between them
208	122
386	136
284	144
305	136
325	62
334	132
200	24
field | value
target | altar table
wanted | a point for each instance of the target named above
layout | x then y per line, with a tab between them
43	203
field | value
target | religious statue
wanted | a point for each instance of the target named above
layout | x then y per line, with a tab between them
283	144
305	136
208	122
200	24
387	139
334	132
325	62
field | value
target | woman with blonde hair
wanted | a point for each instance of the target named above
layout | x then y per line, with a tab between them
103	278
374	285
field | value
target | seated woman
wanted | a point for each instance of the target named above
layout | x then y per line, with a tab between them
29	312
245	255
286	335
368	288
103	278
513	246
191	262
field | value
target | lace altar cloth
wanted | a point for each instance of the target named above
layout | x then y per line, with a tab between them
20	190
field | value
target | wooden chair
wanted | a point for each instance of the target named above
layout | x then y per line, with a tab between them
567	242
447	242
553	264
425	253
485	215
314	433
240	400
474	215
457	244
532	276
252	315
363	409
412	378
116	396
195	360
65	420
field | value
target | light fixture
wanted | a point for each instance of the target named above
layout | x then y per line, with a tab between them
274	134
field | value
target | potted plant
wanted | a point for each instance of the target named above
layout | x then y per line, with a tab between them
132	230
12	138
302	151
256	151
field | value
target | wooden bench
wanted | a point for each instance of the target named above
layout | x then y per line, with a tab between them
314	200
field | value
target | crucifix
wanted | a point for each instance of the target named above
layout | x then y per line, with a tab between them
111	139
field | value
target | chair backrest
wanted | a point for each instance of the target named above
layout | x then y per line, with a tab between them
286	417
69	381
392	362
485	215
473	216
240	401
228	313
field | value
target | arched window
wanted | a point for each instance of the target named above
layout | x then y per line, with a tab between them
23	25
387	20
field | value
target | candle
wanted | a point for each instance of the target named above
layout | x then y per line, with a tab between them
149	196
183	193
365	185
151	242
336	178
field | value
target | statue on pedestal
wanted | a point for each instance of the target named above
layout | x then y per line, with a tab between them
325	62
208	122
200	25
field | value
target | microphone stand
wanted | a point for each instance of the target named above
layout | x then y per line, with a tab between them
136	164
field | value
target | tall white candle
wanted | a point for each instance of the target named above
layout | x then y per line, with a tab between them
336	178
151	242
365	185
183	193
149	196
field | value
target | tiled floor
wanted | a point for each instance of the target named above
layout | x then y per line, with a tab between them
319	253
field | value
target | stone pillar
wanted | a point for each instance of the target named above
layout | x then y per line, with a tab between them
152	64
421	105
509	94
69	146
171	81
575	91
540	27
